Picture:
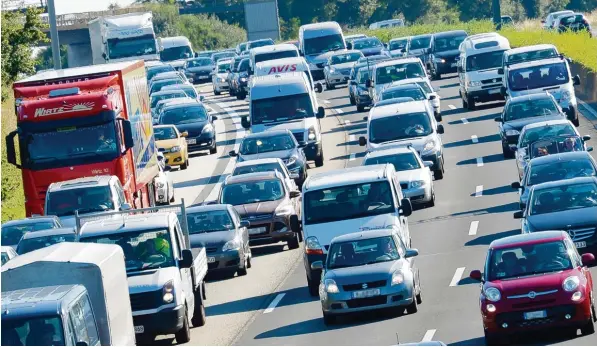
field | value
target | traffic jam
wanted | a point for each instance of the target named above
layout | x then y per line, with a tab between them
439	188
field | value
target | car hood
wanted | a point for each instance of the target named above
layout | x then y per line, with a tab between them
564	220
294	126
208	68
535	283
447	54
150	280
320	58
194	129
211	238
167	143
412	175
364	273
343	66
274	154
417	142
267	207
520	123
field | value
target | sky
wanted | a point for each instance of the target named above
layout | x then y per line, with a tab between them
76	6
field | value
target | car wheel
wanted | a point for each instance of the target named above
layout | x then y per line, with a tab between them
172	199
589	327
313	287
319	159
353	101
250	258
242	271
507	152
199	316
329	319
184	334
412	308
464	103
419	298
471	104
576	122
438	76
295	225
439	174
293	242
432	202
239	96
360	108
213	150
217	92
491	339
438	117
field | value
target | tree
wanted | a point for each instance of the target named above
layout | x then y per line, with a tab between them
44	59
531	8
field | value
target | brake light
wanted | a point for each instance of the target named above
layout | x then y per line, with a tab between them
312	246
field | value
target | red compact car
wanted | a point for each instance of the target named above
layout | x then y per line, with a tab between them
535	281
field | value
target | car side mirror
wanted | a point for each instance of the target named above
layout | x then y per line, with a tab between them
317	265
187	259
432	97
232	153
498	119
244	121
214	118
362	141
105	56
201	98
167	168
440	129
184	134
368	83
500	71
294	194
406	207
589	149
320	112
516	185
588	259
476	275
428	163
127	129
576	80
245	223
518	215
410	253
586	137
125	207
318	87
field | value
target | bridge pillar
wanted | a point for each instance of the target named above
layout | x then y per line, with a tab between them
79	54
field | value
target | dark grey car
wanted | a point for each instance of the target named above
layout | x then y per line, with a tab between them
13	230
198	70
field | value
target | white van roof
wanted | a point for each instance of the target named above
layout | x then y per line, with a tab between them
319	29
265	67
398	109
282	84
175	41
484	44
348	176
476	36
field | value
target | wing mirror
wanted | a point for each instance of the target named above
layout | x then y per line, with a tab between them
232	153
295	194
406	207
187	259
366	118
184	134
476	275
410	253
440	129
320	112
516	185
353	82
432	97
518	215
362	141
214	118
500	71
245	223
576	80
586	137
588	259
428	163
589	149
201	98
244	121
498	119
318	87
317	265
127	129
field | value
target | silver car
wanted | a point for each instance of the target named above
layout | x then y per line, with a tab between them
338	67
368	270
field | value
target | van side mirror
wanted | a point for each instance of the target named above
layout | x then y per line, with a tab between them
410	253
432	97
440	129
245	223
406	207
369	83
320	112
500	71
518	215
318	87
576	80
515	185
187	259
127	129
244	121
362	141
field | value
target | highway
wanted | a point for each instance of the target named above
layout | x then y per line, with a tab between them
474	206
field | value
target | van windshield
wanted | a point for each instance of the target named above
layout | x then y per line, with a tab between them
281	109
348	202
323	44
485	61
175	53
275	55
538	76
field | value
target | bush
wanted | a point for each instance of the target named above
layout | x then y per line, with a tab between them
472	27
13	200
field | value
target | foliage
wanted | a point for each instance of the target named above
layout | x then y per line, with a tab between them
472	27
44	59
289	30
13	200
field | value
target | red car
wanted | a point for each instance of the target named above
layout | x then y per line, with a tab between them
535	281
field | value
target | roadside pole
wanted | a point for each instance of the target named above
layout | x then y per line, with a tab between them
54	35
497	14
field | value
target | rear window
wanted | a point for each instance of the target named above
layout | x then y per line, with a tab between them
275	55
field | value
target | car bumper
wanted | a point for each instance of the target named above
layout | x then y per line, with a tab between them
312	150
446	67
436	158
203	142
269	230
492	93
337	78
166	321
363	100
198	78
342	303
418	195
223	261
221	85
174	159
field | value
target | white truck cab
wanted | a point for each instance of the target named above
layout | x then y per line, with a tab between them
387	72
480	59
349	200
317	41
280	66
266	53
287	101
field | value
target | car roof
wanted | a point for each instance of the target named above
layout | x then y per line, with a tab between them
528	239
278	62
29	220
95	181
268	133
206	208
125	223
543	123
159	126
422	35
166	75
252	177
274	48
450	33
181	102
529	97
525	49
363	235
259	162
347	176
48	232
395	61
533	63
177	86
560	157
393	110
401	38
366	38
385	151
167	92
560	183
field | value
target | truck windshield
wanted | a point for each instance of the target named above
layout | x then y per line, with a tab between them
209	221
11	234
63	146
275	55
538	76
322	44
485	61
281	109
175	53
131	47
32	331
143	250
85	200
348	202
252	192
30	245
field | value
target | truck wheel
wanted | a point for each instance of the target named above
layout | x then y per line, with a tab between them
198	319
319	159
293	242
184	334
313	287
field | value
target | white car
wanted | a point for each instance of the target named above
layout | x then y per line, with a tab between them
7	254
163	182
338	67
218	79
430	92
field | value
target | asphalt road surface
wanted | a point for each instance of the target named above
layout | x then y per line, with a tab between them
474	206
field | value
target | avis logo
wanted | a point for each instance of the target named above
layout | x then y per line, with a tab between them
42	112
282	68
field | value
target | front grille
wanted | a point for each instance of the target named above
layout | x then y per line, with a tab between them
259	217
214	265
146	301
553	314
490	86
359	286
534	303
211	249
404	185
373	301
299	136
581	233
267	229
492	80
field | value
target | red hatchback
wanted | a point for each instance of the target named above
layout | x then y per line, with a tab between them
535	281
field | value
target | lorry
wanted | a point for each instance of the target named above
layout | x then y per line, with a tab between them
86	282
85	121
123	37
166	276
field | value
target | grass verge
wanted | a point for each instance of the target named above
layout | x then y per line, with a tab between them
13	200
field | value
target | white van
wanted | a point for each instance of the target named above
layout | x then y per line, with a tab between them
387	72
478	65
349	200
287	101
175	50
390	23
317	42
278	66
265	53
524	54
547	75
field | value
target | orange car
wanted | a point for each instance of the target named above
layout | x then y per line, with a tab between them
173	144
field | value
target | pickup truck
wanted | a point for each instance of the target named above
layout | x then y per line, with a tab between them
166	277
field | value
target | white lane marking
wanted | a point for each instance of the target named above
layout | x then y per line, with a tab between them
479	191
339	110
346	122
352	138
326	101
452	107
428	335
475	139
274	303
352	156
480	161
464	120
473	228
457	276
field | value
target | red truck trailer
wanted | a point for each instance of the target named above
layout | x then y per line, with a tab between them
85	121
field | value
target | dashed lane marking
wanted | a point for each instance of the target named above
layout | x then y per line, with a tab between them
457	276
346	122
464	120
274	303
452	107
478	191
326	101
339	110
352	157
475	139
428	335
479	162
352	138
472	230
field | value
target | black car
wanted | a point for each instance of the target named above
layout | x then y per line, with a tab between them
275	144
239	78
13	230
198	70
225	237
522	110
444	51
575	22
193	118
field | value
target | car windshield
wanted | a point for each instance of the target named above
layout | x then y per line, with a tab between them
399	127
425	86
348	202
158	85
281	109
397	72
532	55
260	43
175	53
223	68
362	252
157	98
184	115
252	192
344	58
158	69
553	145
366	43
419	42
322	44
164	133
32	331
531	108
209	221
401	162
199	62
560	170
538	76
398	44
85	200
241	170
29	245
266	143
131	47
143	250
275	55
534	134
416	93
528	260
393	101
485	61
443	44
363	76
11	234
218	56
563	198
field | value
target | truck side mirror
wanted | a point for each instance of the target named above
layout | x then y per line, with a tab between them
244	121
320	112
11	154
406	207
127	129
187	259
362	141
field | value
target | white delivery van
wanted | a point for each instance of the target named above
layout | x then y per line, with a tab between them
478	65
524	54
390	23
175	50
279	66
265	53
547	75
287	101
349	200
99	268
317	42
387	72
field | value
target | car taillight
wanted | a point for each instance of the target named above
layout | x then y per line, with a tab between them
312	246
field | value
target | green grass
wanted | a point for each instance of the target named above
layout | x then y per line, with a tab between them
13	200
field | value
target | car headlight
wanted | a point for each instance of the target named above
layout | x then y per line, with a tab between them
174	149
417	184
429	146
397	278
332	70
363	92
512	132
231	245
311	135
291	161
207	129
284	211
565	96
220	79
571	283
331	286
493	294
243	79
168	292
439	60
474	83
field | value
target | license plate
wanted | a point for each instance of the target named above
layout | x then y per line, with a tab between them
535	315
139	329
494	91
580	244
359	294
191	141
453	65
211	259
257	230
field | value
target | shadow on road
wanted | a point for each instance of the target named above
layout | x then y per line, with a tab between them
494	158
476	119
468	142
487	239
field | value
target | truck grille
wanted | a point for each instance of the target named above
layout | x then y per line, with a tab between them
373	301
492	80
359	286
146	301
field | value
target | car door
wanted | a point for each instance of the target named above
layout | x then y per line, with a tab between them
185	273
410	262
